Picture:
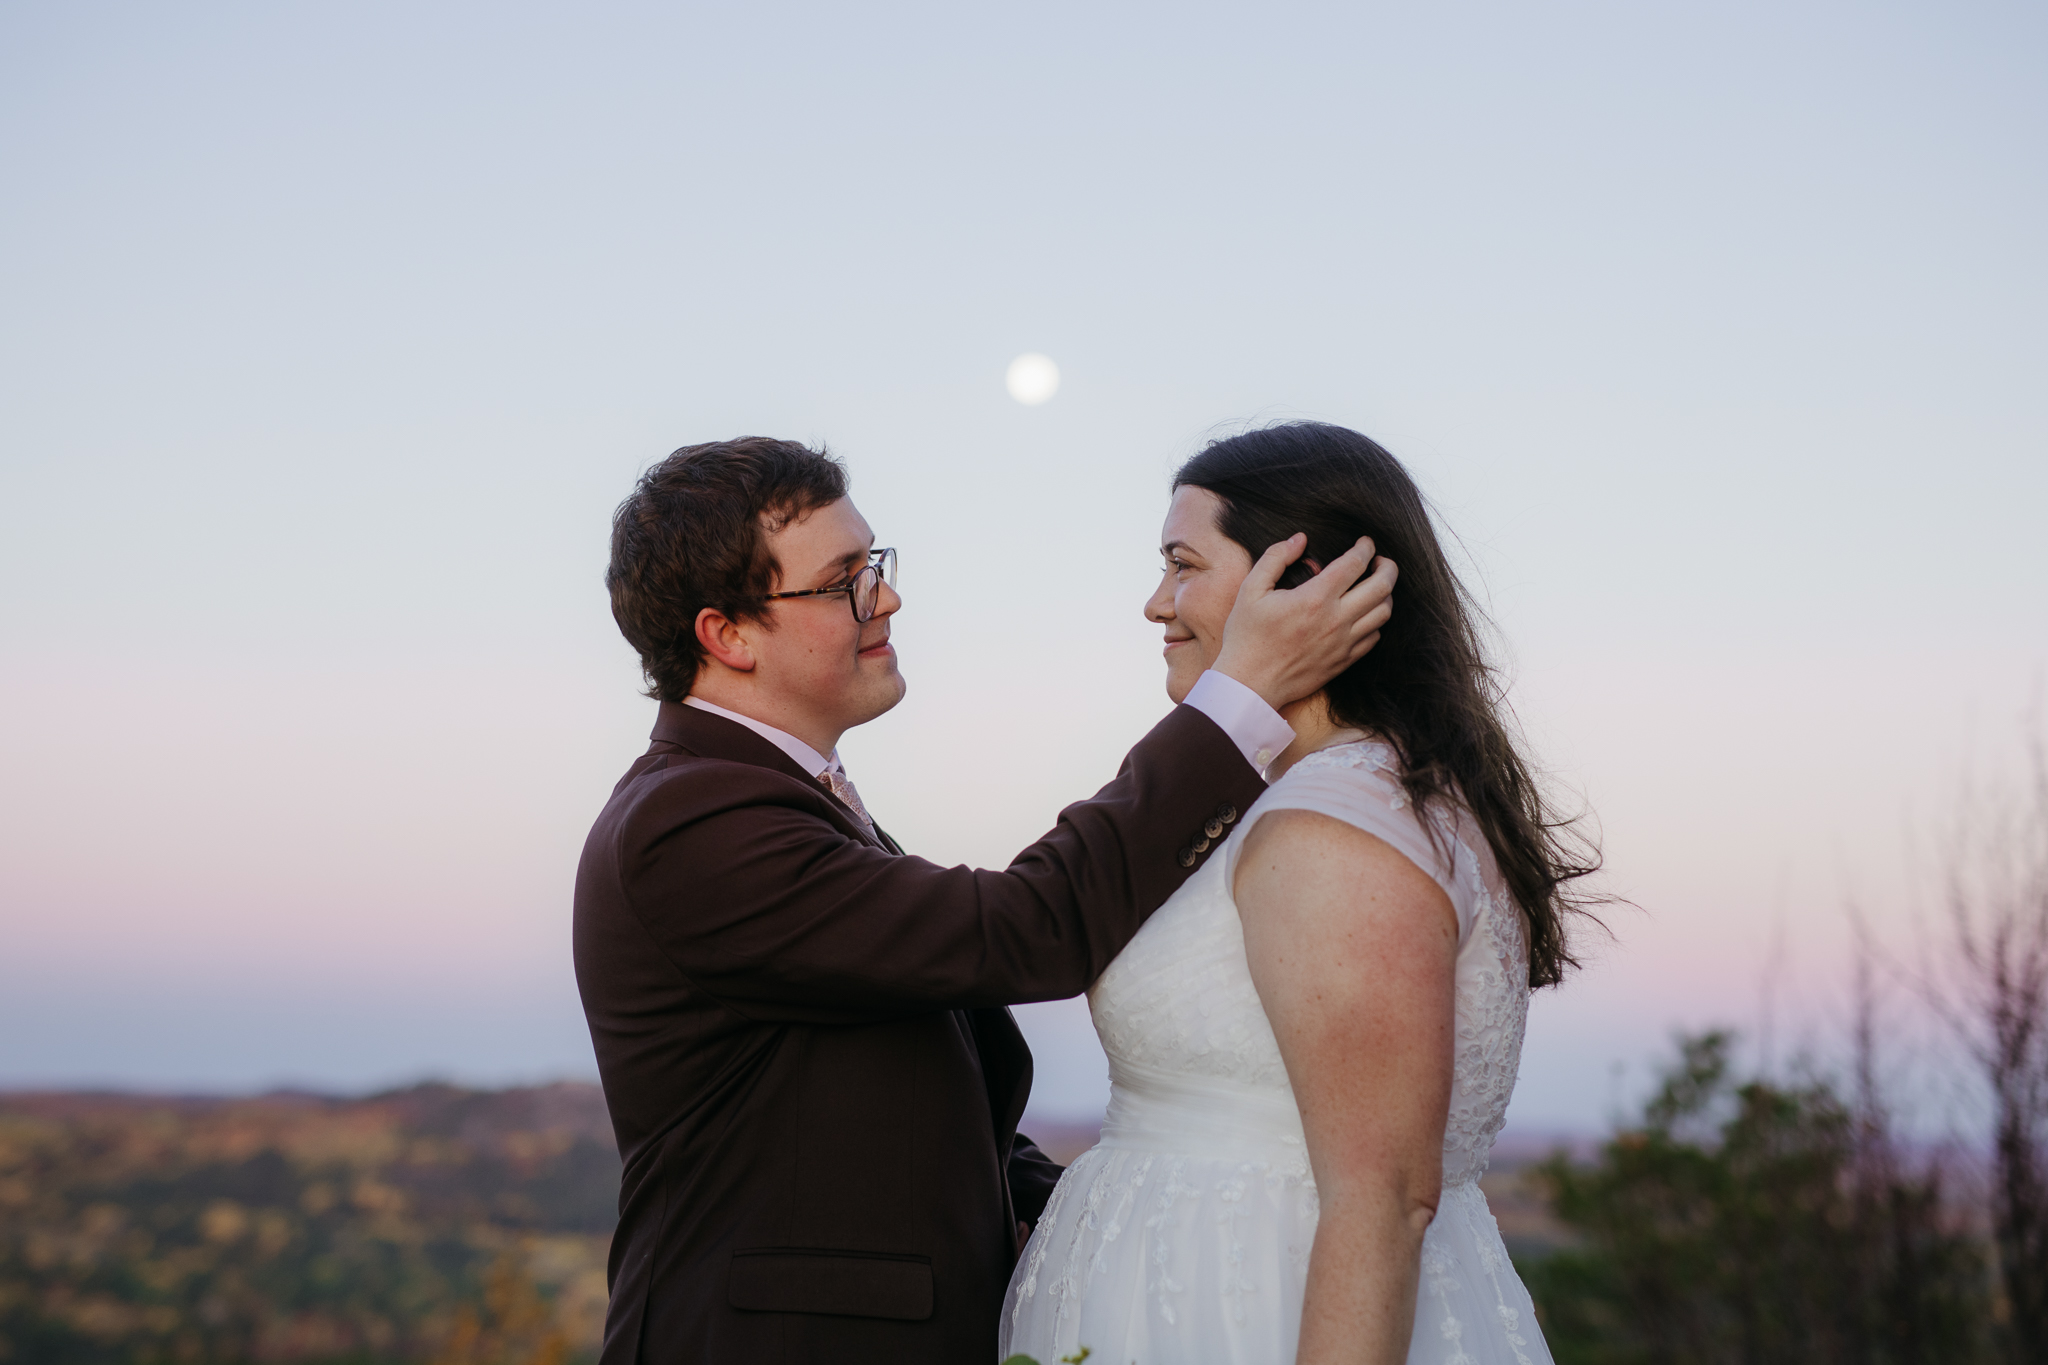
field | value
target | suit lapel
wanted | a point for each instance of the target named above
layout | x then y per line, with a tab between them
1005	1061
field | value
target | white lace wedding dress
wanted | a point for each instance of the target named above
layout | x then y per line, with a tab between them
1182	1238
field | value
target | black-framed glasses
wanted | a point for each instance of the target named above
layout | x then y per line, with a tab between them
863	591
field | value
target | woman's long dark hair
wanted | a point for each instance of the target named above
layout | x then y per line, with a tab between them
1427	687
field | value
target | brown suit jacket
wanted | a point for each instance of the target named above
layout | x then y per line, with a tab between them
804	1048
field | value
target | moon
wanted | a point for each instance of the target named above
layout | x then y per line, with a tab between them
1032	379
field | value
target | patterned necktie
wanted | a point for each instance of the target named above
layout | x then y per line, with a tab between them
836	782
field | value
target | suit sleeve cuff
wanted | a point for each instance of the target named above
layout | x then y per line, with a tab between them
1254	727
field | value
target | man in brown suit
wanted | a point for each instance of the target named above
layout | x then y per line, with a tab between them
801	1029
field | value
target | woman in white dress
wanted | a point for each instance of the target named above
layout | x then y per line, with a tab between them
1312	1044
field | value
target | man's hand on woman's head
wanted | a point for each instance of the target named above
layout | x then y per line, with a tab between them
1286	643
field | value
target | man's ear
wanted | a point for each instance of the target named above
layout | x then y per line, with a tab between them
724	641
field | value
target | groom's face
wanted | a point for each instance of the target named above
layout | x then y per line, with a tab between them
817	660
1198	588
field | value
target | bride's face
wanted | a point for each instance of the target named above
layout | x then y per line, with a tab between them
1198	587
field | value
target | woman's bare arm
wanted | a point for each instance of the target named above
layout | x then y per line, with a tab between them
1354	951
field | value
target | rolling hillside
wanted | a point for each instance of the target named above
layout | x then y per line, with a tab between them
426	1224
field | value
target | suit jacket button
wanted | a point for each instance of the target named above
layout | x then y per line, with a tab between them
1214	829
1200	846
1226	812
1186	857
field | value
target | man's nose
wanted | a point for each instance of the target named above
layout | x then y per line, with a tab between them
887	601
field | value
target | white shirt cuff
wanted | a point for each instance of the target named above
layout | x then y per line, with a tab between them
1254	727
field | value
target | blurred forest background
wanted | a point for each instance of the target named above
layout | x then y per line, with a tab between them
1886	1205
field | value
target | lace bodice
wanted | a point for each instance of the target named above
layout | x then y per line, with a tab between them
1179	1000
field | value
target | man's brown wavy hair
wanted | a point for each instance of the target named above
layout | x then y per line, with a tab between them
694	534
1427	687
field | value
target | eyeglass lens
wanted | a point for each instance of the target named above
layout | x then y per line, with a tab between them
867	586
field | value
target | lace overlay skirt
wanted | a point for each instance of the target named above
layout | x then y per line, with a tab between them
1183	1238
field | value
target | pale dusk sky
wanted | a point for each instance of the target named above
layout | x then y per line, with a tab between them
332	339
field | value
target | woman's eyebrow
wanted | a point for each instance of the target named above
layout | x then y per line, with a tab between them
1172	545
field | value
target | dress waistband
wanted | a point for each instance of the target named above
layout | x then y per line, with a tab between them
1172	1111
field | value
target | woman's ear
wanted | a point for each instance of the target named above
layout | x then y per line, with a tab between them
724	641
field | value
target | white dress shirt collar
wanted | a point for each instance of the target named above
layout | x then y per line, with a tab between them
800	753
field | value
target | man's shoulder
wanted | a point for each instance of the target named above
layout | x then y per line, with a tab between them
661	797
677	787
